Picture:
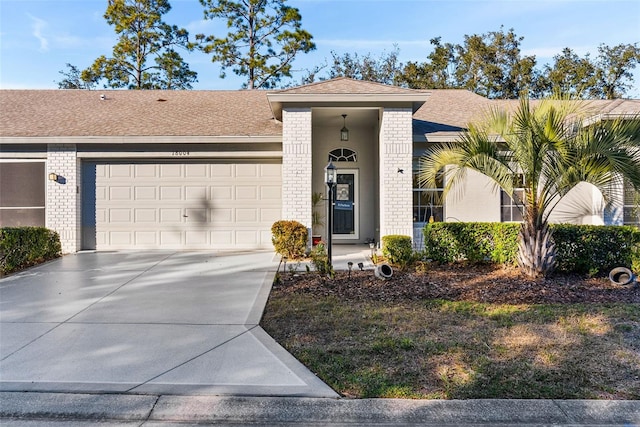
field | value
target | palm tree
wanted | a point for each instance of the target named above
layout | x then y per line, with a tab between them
555	147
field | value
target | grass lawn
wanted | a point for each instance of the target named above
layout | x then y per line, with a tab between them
414	337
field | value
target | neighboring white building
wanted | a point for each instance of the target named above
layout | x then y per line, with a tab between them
113	170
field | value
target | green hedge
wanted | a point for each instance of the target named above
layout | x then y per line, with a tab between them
22	247
595	250
476	242
583	249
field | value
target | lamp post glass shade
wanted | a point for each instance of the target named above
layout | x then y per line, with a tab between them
344	132
330	174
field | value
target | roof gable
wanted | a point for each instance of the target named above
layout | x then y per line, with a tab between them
346	85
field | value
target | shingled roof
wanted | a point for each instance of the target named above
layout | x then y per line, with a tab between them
439	114
38	113
448	111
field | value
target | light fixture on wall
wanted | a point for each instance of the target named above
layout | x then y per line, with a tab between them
344	132
53	177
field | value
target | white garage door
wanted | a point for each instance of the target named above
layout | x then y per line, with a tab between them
186	205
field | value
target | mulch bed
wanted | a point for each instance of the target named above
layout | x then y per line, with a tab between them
458	282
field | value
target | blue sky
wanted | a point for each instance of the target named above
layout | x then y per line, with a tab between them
38	37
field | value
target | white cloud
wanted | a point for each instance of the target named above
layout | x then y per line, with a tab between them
202	26
38	25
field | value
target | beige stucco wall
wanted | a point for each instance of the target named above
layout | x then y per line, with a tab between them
475	200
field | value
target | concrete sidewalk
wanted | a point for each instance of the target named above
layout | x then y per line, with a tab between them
156	410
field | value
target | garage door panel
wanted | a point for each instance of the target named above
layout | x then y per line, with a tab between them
269	216
101	216
270	193
170	193
145	171
222	171
101	240
271	171
146	239
121	171
145	193
101	193
170	216
146	215
220	192
196	239
247	171
246	192
195	193
186	206
197	171
171	238
120	215
120	238
170	171
247	237
246	215
196	215
120	193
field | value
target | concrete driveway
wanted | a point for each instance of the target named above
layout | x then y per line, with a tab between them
146	322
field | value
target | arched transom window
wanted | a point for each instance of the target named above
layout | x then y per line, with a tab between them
343	155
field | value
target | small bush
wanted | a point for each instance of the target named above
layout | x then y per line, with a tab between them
289	239
397	249
320	259
21	247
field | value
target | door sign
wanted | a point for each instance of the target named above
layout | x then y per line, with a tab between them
343	205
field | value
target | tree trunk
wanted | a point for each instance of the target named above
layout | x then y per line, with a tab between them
536	249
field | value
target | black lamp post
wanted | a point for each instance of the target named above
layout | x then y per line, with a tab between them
330	176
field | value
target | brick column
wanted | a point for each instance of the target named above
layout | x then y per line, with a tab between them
63	200
296	165
396	192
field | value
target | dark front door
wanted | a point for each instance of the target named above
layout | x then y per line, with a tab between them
345	205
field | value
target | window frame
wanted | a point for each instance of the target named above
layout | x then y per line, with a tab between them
516	207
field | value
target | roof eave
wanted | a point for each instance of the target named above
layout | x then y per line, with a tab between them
277	100
142	139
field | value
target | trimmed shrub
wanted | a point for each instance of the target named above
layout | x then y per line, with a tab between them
594	249
476	242
289	239
21	247
397	249
583	249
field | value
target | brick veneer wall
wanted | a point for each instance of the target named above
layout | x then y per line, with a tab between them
63	201
296	165
396	151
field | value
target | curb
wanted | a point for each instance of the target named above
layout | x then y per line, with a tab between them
287	410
